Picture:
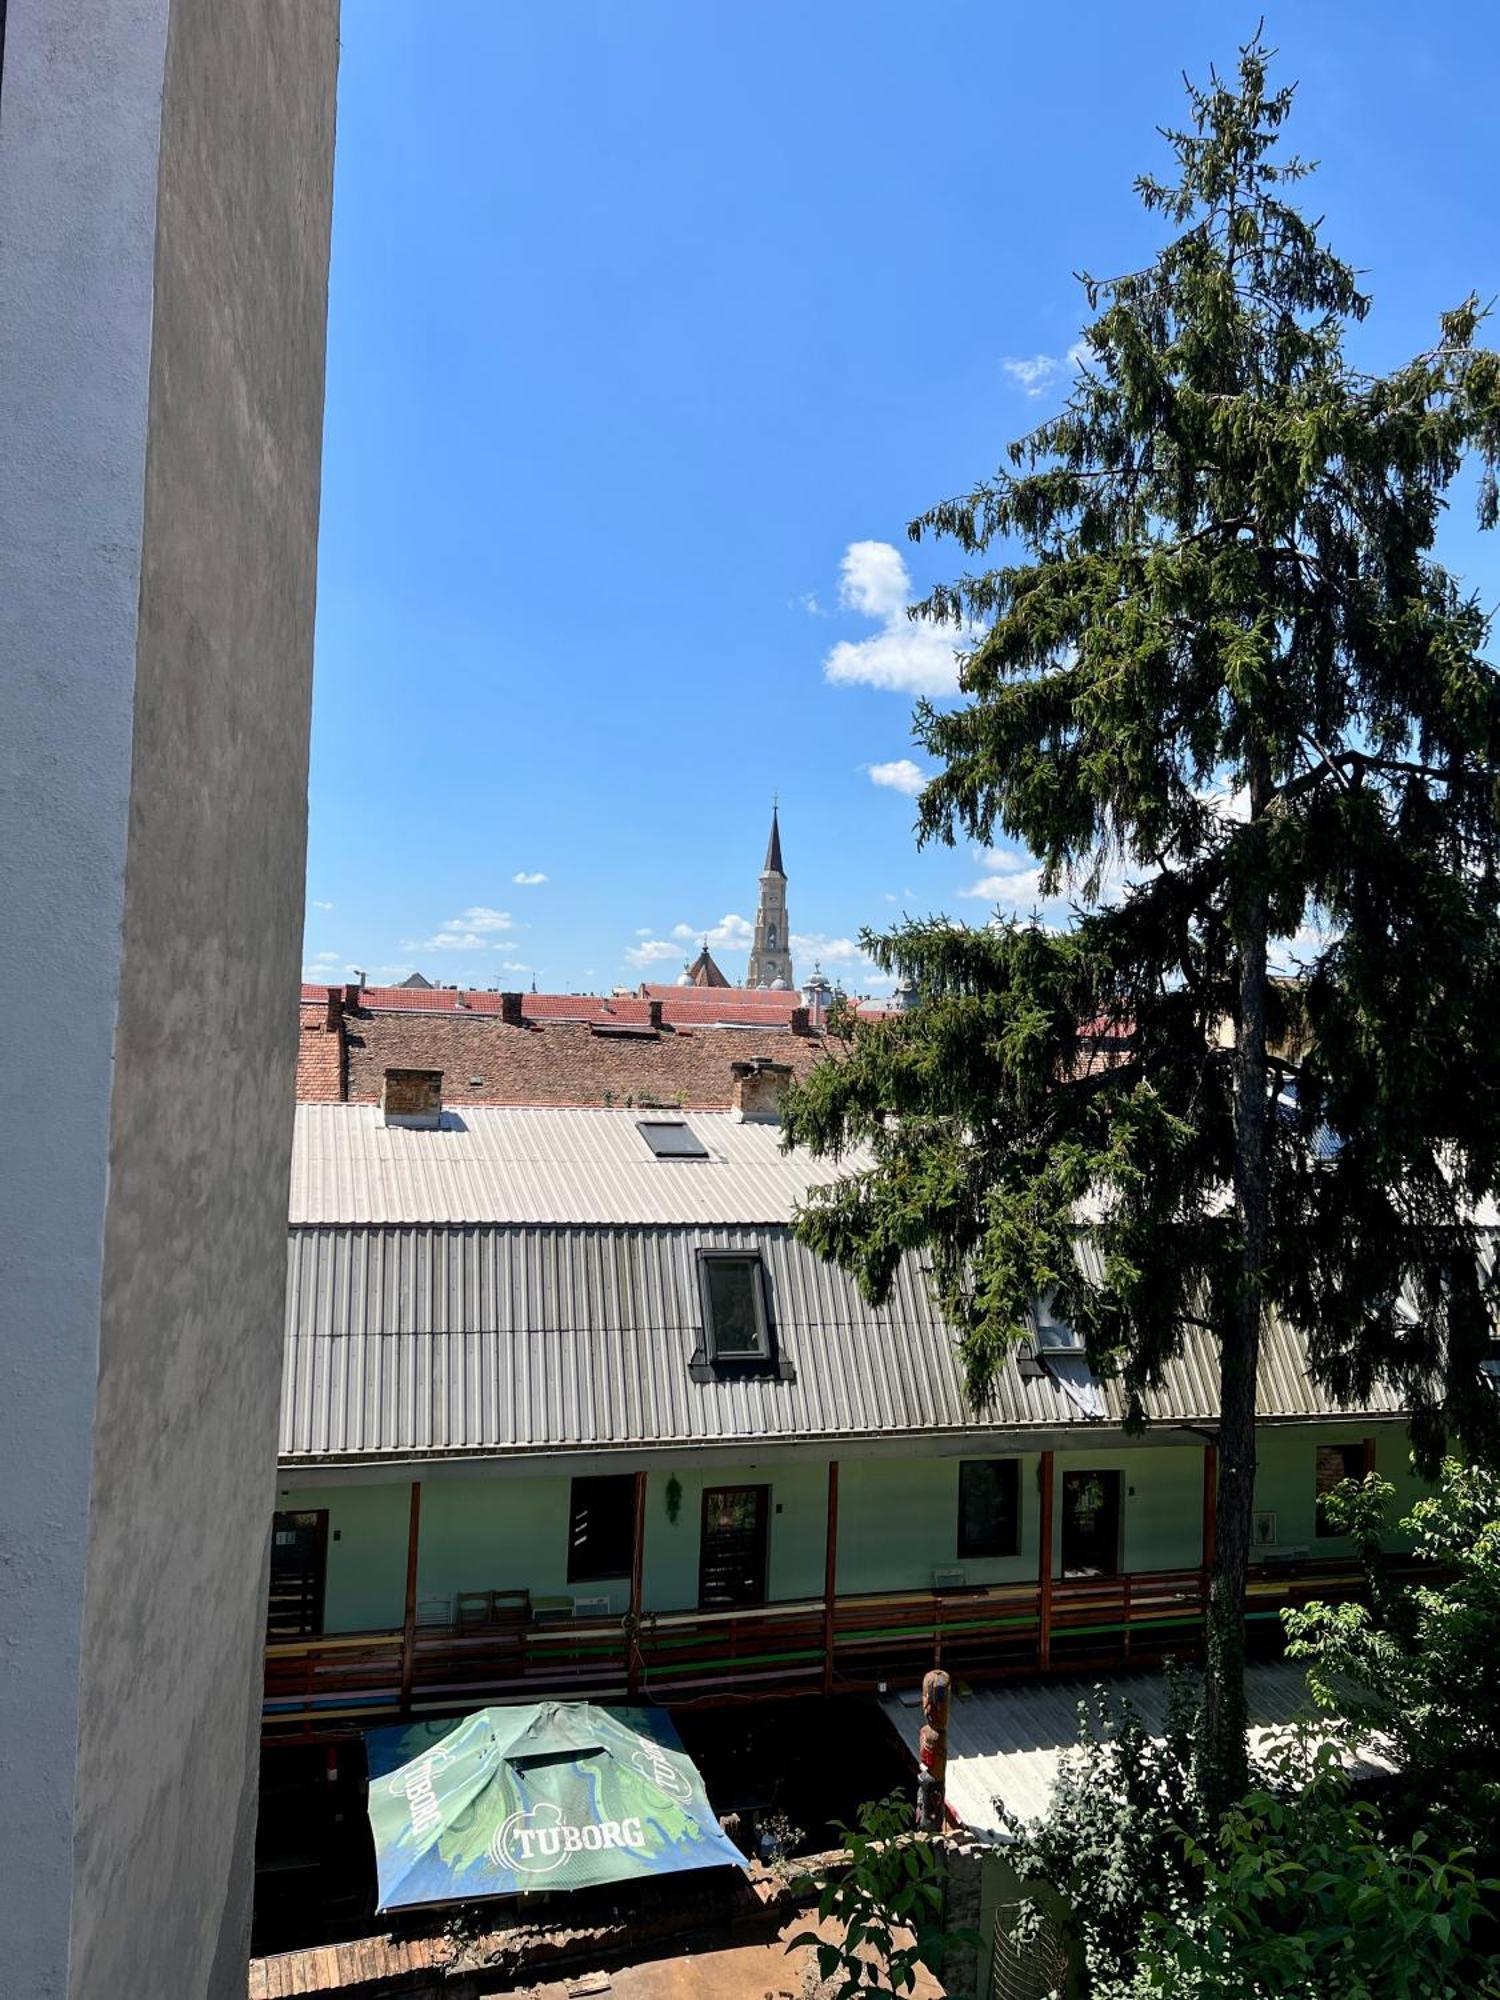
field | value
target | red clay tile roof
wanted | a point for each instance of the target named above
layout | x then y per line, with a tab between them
688	1004
572	1049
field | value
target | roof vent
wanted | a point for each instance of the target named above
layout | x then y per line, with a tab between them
671	1139
413	1097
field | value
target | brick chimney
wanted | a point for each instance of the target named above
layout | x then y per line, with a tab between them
335	1012
653	1013
413	1097
800	1022
352	992
758	1085
510	1010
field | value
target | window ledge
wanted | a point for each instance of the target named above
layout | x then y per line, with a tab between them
703	1368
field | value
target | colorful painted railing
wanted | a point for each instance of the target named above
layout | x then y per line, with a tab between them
329	1685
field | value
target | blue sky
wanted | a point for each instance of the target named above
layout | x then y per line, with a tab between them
651	325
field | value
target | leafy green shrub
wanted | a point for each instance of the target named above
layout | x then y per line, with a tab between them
1123	1825
1302	1898
1421	1666
886	1908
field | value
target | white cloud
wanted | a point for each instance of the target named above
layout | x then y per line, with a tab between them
653	951
322	906
644	931
1013	880
900	775
1036	375
730	933
873	579
911	657
526	880
446	940
827	950
475	930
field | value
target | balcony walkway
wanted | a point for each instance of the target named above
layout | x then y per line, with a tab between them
329	1686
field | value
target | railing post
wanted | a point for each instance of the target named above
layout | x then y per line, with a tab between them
409	1616
1044	1567
637	1574
1126	1606
830	1574
1210	1524
932	1752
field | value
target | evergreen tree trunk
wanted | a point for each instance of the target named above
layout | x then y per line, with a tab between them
1223	1767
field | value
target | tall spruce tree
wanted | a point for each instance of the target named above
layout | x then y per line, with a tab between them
1215	654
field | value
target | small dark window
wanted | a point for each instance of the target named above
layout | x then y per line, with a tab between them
735	1309
671	1139
1336	1462
601	1528
989	1507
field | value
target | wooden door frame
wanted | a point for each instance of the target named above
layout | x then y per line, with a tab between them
321	1514
1093	1472
763	1540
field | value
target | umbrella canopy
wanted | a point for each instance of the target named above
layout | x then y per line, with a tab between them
552	1795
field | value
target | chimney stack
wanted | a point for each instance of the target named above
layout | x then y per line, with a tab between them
800	1022
653	1013
352	992
758	1085
413	1097
510	1010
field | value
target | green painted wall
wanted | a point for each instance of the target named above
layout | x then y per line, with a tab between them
366	1584
1285	1478
898	1522
794	1557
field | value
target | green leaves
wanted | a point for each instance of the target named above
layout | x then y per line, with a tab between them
1217	656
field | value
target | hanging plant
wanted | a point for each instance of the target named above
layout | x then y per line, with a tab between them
674	1499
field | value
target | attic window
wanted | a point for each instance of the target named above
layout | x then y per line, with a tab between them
1053	1335
734	1302
671	1139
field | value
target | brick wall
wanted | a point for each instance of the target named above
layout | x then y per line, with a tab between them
563	1062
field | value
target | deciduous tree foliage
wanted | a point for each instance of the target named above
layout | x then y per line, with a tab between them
1216	653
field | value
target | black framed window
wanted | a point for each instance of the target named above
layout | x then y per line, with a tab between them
1336	1462
734	1308
989	1507
601	1528
671	1139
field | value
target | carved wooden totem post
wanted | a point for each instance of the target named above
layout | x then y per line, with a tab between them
932	1752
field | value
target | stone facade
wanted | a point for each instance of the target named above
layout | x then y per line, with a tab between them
165	197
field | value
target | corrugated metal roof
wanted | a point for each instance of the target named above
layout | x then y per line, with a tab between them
1005	1744
408	1340
492	1163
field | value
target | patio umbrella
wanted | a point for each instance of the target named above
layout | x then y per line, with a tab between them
550	1795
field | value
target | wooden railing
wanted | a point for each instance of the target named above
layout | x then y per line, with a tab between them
316	1686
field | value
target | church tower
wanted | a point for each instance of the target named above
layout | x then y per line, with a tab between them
771	954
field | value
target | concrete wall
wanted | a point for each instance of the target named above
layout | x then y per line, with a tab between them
165	173
898	1522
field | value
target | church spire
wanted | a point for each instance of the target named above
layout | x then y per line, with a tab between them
773	845
771	954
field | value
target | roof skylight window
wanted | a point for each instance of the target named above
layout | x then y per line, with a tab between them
671	1139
